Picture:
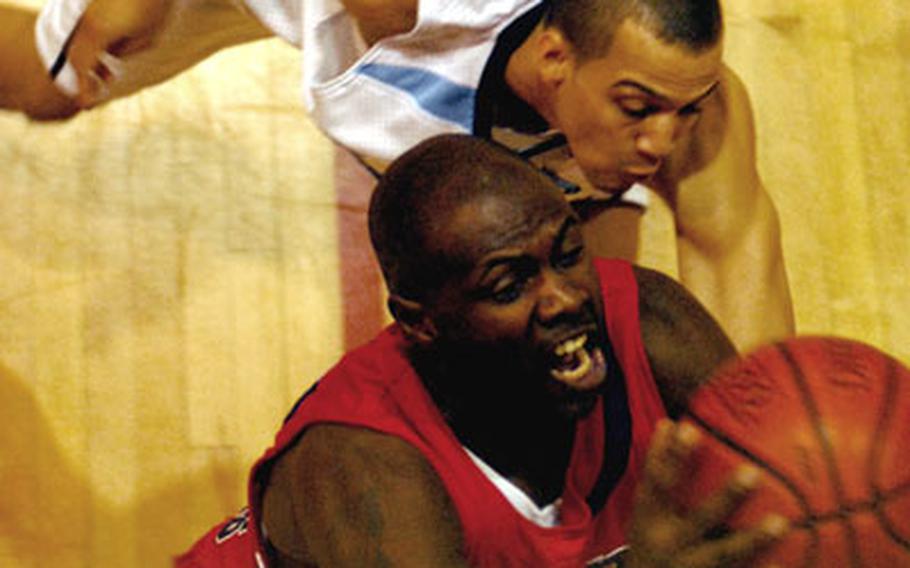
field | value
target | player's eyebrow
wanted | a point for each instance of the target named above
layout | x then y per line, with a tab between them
498	256
663	98
510	262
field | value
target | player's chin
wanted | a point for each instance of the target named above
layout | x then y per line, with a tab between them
576	404
573	402
608	181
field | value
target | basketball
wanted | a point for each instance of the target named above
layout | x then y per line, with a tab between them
827	421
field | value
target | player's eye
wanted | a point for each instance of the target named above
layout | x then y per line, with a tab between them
508	291
569	258
690	110
637	109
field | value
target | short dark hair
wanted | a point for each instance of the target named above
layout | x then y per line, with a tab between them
591	24
424	185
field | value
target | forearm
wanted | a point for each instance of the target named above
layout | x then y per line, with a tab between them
143	38
741	277
24	82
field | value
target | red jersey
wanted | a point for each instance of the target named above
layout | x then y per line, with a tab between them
376	387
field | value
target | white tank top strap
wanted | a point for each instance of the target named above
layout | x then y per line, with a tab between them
546	517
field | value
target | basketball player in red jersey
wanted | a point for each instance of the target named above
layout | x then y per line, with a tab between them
635	90
504	420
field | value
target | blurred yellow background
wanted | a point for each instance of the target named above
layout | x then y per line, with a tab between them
171	277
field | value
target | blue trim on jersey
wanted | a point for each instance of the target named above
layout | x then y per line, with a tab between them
434	93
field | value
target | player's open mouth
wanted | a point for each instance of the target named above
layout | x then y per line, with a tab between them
577	365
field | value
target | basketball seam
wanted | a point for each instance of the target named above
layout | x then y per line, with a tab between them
808	520
879	496
844	513
826	448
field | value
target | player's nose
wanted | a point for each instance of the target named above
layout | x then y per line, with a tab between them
557	296
658	135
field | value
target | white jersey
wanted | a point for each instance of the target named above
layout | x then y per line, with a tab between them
377	101
404	89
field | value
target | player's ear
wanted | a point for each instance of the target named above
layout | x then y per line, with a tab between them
413	319
555	56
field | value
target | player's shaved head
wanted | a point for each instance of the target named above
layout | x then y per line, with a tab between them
591	24
425	185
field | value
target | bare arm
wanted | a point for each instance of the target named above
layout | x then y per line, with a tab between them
127	27
24	82
729	244
152	46
684	344
352	497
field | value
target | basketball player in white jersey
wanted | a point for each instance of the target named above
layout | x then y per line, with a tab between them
604	95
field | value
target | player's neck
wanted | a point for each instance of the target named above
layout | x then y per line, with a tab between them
529	443
498	103
522	432
531	451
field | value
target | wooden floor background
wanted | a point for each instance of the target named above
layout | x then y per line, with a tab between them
173	267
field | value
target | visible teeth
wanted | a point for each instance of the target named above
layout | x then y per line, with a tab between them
573	375
571	345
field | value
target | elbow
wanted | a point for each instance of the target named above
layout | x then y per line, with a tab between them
38	99
51	113
42	102
24	82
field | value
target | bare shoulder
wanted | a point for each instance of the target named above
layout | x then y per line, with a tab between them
351	496
734	125
379	19
712	179
330	446
724	133
728	114
684	344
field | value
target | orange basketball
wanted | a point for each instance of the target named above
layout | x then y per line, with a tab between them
827	421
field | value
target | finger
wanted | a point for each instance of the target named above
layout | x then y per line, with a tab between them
717	507
740	546
668	456
660	439
657	450
648	503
